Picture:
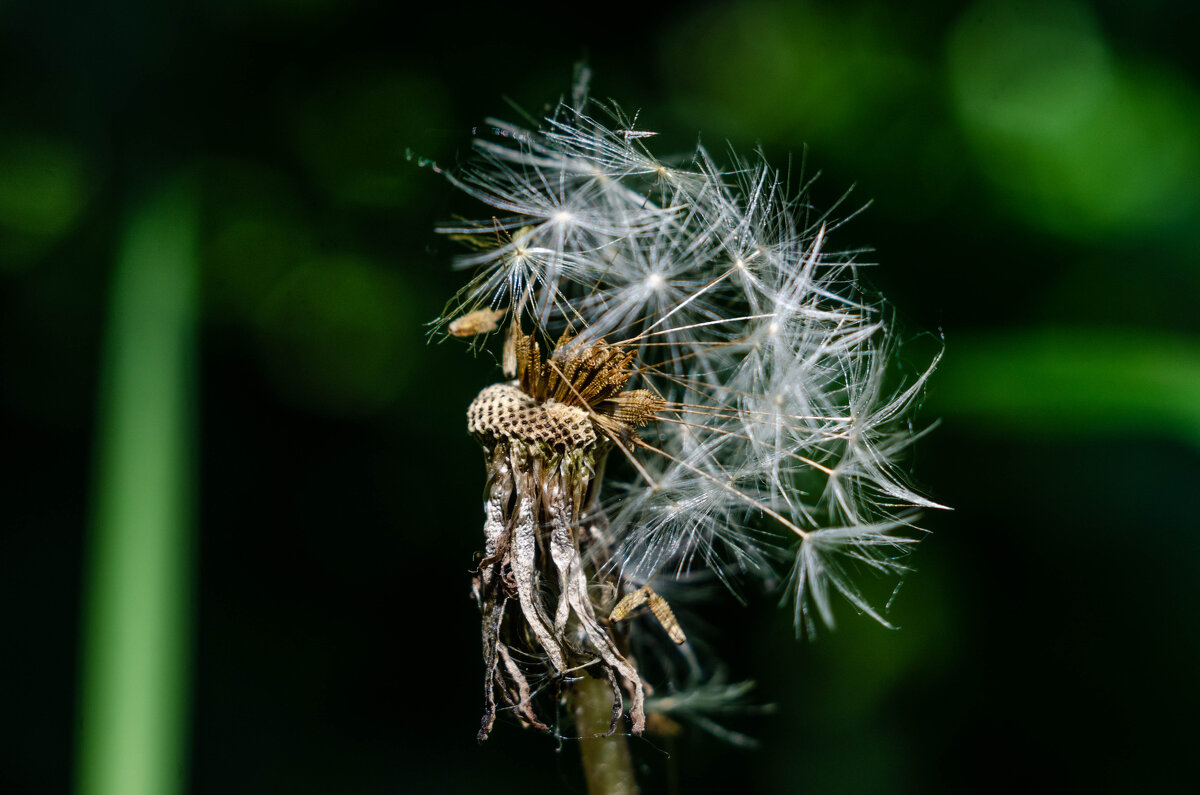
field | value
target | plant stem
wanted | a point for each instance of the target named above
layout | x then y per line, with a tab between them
137	597
606	761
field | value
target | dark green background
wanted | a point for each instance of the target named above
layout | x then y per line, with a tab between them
1033	174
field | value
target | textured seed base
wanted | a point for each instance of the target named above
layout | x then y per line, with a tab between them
505	411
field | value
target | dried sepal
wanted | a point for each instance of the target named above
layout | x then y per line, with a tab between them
544	443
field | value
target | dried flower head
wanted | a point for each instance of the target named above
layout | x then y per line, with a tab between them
686	322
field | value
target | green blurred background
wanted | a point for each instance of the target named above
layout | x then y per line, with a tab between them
239	503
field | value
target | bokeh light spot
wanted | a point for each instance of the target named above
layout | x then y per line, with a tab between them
42	192
790	72
338	335
1076	141
355	133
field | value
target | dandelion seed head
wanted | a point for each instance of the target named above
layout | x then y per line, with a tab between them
771	422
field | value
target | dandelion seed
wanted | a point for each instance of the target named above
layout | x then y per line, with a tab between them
696	384
481	321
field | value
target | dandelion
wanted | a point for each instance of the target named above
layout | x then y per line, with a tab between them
694	386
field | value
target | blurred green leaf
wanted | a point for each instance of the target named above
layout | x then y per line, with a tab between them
1074	381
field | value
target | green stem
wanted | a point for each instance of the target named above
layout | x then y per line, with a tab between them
606	761
136	611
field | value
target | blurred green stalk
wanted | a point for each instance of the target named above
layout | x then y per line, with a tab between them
136	610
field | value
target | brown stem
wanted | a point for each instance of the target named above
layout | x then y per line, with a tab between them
606	761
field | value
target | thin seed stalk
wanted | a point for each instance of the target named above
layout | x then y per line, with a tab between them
607	764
